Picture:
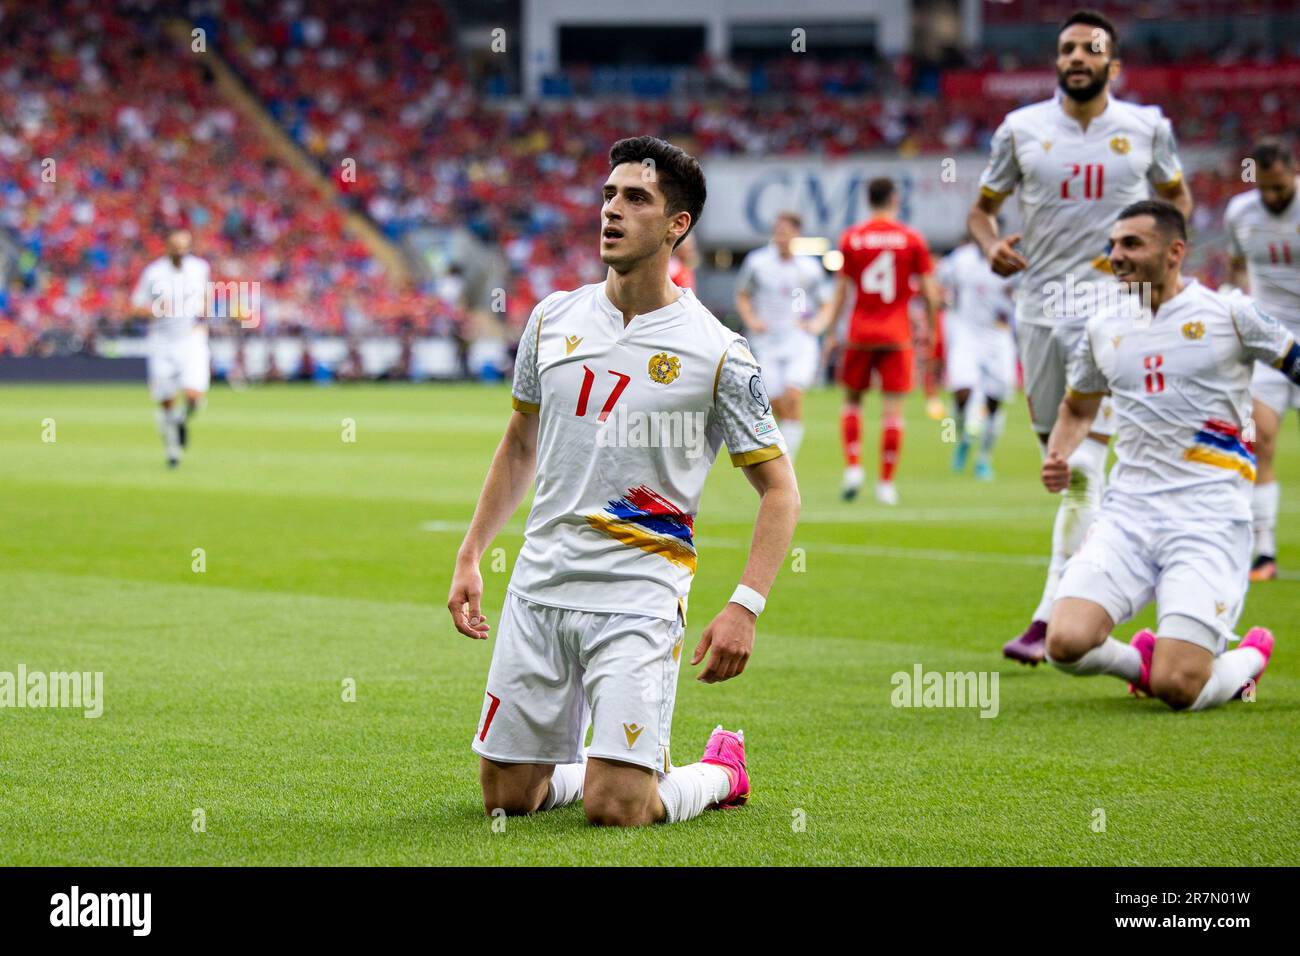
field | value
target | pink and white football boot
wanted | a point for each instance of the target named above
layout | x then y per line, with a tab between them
727	750
1260	638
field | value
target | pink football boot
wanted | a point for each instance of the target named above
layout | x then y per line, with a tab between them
1260	638
1145	642
727	750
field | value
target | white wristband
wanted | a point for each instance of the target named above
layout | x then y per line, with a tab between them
749	599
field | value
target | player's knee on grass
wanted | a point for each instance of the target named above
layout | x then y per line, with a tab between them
619	795
1070	635
1179	668
1177	687
517	789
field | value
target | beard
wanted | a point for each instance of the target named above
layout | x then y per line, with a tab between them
1081	94
1279	207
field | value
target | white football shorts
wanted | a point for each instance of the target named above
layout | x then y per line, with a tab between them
177	365
789	360
1196	569
556	670
1044	355
980	359
1270	387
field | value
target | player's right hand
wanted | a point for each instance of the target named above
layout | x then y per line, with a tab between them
465	600
1056	472
1003	258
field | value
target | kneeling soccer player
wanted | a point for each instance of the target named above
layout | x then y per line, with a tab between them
1175	522
624	391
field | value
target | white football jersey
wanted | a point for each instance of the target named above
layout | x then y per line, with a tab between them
1071	186
177	298
1270	244
1181	390
979	298
784	292
631	420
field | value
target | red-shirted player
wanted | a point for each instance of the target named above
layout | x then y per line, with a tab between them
881	256
681	267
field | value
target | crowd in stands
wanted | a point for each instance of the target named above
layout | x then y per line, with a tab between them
110	135
142	142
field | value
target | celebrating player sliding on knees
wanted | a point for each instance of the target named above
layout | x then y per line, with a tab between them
594	618
1175	523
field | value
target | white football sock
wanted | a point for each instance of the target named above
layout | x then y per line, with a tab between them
1079	503
1231	670
565	786
167	429
1263	510
1109	657
792	430
687	791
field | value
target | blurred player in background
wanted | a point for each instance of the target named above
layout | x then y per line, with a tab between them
1077	160
981	353
881	258
681	267
594	619
1175	525
1264	240
775	292
933	361
172	293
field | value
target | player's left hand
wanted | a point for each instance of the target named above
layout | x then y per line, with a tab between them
731	635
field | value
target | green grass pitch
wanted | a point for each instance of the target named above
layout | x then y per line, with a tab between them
329	560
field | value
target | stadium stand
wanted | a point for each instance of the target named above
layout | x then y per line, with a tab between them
143	141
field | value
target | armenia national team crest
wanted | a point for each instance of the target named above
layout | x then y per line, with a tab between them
664	368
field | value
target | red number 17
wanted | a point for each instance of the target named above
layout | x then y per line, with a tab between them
589	379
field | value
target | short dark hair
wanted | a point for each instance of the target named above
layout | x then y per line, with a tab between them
1169	220
1269	150
677	173
1091	18
879	191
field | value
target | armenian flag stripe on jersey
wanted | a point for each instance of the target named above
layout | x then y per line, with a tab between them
1219	444
644	519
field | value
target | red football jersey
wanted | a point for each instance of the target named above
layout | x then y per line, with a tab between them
680	274
881	257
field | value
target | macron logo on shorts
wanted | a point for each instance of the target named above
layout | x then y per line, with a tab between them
632	732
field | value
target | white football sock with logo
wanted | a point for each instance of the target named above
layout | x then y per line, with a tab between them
792	431
1109	657
1079	504
1263	510
688	791
1231	670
